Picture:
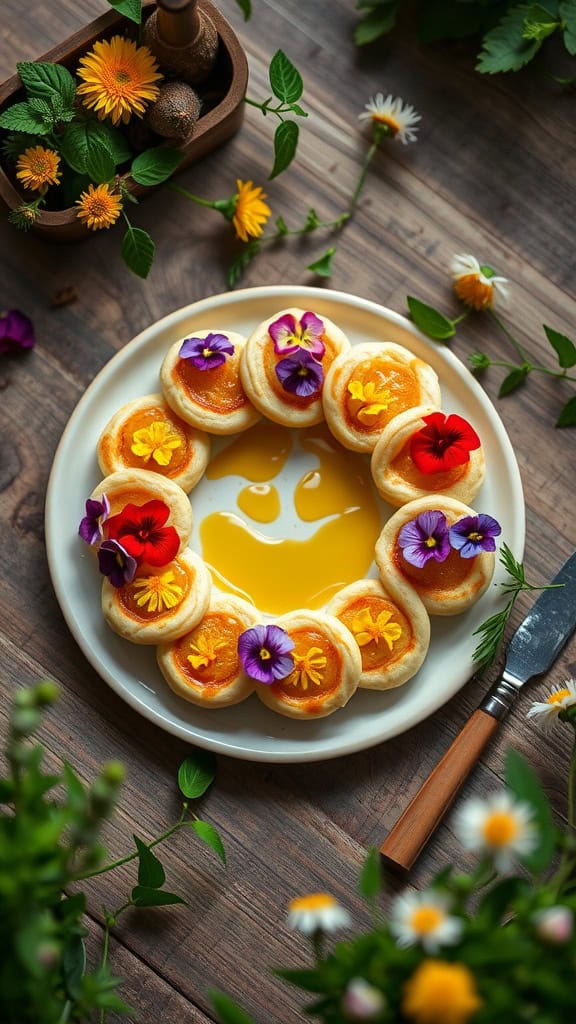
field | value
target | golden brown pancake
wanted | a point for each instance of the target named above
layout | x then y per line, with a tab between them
138	486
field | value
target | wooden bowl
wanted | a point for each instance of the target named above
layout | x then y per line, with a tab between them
223	101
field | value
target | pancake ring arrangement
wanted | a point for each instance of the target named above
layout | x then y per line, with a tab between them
434	555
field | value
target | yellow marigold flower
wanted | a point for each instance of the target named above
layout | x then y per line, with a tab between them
372	402
118	79
367	631
440	993
476	284
99	207
157	441
251	212
37	168
308	667
206	651
158	592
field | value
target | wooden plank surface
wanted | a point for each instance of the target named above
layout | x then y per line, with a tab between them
493	174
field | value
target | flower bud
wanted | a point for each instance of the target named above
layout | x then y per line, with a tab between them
114	773
554	924
362	1001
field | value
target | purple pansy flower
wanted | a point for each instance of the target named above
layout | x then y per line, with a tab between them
115	563
300	374
424	538
97	512
288	335
265	653
207	353
474	534
16	331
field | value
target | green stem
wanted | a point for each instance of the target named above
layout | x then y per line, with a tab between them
318	944
130	856
529	367
360	185
109	919
337	223
572	790
459	319
516	344
190	195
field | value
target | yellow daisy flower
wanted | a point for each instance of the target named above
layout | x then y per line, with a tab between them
158	592
440	993
251	212
118	79
476	284
99	207
37	168
158	442
308	667
367	630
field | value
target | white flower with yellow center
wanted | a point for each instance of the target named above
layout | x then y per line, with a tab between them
477	284
547	711
423	918
392	116
500	827
317	912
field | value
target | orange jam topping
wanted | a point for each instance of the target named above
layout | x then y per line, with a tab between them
168	459
436	576
153	595
377	390
208	656
120	499
380	628
317	668
404	466
217	389
270	359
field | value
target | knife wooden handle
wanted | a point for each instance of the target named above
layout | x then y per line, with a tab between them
425	812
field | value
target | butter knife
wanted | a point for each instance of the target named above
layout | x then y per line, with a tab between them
532	650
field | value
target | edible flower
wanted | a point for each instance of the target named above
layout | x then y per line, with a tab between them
99	207
308	667
207	353
425	538
555	925
318	912
440	993
250	212
300	374
289	335
115	563
472	535
141	531
158	442
265	653
37	168
97	512
16	331
206	651
444	443
391	117
476	284
158	592
423	918
499	827
372	402
368	630
362	1001
549	710
118	79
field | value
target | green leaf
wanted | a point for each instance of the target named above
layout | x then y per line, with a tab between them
567	417
504	48
73	784
430	320
323	266
196	773
151	874
567	13
564	348
47	80
523	782
370	884
208	834
497	902
312	220
376	23
285	80
298	110
73	965
281	226
246	8
80	140
142	896
513	381
42	107
242	261
285	144
228	1011
538	23
131	9
21	117
154	166
138	251
100	165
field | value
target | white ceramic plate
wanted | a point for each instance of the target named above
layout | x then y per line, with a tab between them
250	730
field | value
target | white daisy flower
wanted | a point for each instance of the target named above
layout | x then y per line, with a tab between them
398	119
547	711
477	284
362	1001
317	912
499	826
422	917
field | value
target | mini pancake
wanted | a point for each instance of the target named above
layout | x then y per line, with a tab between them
147	434
211	399
138	486
203	666
260	359
399	480
368	386
445	588
327	667
390	626
159	604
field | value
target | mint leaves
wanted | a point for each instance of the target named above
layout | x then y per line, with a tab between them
287	87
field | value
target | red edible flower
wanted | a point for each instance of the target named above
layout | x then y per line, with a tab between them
141	532
444	443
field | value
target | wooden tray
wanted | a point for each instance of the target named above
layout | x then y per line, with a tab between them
223	100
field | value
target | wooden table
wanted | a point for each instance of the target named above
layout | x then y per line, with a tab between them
492	174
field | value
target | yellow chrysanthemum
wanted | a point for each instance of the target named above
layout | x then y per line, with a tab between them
37	168
367	630
118	79
99	207
158	442
206	651
158	592
251	212
440	993
372	402
308	666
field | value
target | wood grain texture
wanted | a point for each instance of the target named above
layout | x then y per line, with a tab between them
493	174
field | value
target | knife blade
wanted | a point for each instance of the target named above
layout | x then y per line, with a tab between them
532	650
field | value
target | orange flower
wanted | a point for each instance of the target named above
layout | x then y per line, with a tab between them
99	207
118	79
251	212
440	993
37	168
